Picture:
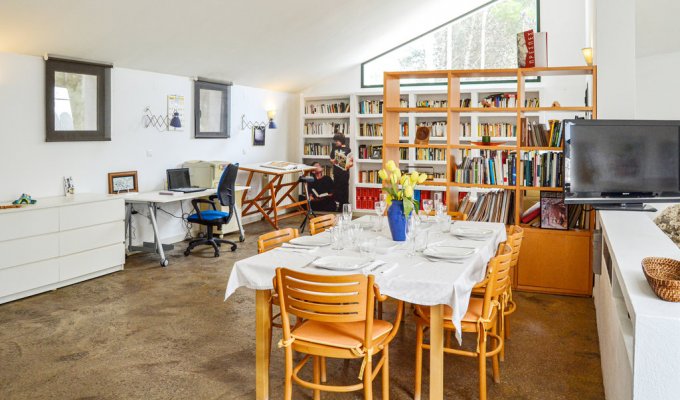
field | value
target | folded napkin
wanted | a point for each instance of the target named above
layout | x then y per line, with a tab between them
299	247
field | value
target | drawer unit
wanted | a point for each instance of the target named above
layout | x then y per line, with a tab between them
82	215
28	250
17	225
77	240
91	261
28	277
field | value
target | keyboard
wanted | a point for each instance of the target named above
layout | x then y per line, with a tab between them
188	190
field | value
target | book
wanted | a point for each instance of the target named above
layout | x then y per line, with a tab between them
320	195
492	206
341	158
553	211
283	165
532	49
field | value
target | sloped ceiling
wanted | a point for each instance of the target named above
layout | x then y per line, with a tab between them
282	45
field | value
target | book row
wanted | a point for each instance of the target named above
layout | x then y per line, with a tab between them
437	128
370	152
317	149
370	129
542	169
431	154
325	128
488	168
552	213
327	108
492	206
502	100
534	133
432	103
496	129
369	176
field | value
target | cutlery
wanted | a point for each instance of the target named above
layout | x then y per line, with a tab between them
433	259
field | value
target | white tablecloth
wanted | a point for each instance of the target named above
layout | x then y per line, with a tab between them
413	279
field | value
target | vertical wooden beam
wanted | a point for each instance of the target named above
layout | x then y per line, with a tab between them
262	343
453	137
391	127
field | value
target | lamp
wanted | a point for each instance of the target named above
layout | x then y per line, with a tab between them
271	114
175	122
588	55
161	122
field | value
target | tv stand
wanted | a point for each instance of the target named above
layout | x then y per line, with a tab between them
624	207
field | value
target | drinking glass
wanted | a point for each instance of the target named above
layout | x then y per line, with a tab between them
437	197
376	222
427	206
336	237
411	231
379	208
347	212
383	198
367	247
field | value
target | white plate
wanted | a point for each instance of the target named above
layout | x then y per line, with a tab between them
316	240
449	252
341	263
476	233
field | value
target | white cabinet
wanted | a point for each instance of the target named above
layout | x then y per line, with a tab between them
60	241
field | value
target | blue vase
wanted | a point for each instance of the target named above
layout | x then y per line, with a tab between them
397	220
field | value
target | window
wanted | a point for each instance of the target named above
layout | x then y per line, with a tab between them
483	38
212	109
78	106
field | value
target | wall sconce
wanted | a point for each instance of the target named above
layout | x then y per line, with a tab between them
162	122
271	114
588	55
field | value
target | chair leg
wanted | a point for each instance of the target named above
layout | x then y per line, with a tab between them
419	361
368	382
501	330
317	376
288	385
506	328
380	309
323	369
386	374
482	366
494	358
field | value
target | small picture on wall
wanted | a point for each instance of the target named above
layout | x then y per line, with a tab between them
258	135
122	182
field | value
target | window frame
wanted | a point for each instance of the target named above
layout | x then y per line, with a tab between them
536	79
225	89
103	74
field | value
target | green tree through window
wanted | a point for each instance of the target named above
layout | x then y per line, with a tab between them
483	38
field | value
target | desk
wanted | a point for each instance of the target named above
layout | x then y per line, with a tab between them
152	201
268	202
412	279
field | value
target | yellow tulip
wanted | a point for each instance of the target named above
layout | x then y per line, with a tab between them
397	173
394	179
391	166
422	178
404	179
414	177
408	192
382	174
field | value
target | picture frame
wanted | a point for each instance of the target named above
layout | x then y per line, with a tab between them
258	135
212	109
123	182
553	211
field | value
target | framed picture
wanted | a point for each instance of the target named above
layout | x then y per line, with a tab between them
122	182
212	109
553	211
258	135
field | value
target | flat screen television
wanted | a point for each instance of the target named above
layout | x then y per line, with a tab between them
621	163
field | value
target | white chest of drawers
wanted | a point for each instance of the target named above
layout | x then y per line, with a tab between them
60	241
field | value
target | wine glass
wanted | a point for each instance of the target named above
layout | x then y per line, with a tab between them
379	207
383	197
411	231
437	197
427	206
347	212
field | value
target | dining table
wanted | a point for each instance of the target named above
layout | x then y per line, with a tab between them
400	272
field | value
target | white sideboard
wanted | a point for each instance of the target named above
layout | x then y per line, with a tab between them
60	241
638	332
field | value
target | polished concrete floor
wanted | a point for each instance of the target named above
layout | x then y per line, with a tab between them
166	333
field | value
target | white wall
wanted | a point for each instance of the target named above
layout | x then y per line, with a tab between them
30	165
658	79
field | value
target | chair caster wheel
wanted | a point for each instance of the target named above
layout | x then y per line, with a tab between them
242	239
233	248
165	263
217	254
186	253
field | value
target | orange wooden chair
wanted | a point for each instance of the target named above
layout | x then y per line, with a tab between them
517	234
481	318
320	224
274	239
455	215
338	323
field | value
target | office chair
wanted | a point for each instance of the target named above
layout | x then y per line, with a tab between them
305	180
213	218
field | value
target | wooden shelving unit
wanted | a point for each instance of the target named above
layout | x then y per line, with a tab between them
552	261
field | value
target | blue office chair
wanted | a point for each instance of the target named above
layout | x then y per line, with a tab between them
213	218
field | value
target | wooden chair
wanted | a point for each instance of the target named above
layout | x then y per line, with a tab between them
455	215
320	224
517	234
338	323
274	239
481	318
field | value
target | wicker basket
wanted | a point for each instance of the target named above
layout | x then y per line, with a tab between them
663	275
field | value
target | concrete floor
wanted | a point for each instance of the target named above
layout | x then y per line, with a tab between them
165	333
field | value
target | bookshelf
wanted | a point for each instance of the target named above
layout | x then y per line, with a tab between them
552	261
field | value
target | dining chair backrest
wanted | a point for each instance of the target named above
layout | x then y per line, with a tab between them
517	234
325	298
274	239
498	274
458	216
320	224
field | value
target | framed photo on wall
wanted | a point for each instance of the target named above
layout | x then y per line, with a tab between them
258	135
123	182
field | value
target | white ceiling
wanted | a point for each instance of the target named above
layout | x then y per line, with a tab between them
283	45
657	28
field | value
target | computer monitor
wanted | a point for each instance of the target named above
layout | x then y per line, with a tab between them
178	178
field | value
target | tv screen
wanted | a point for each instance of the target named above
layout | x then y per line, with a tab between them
616	160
